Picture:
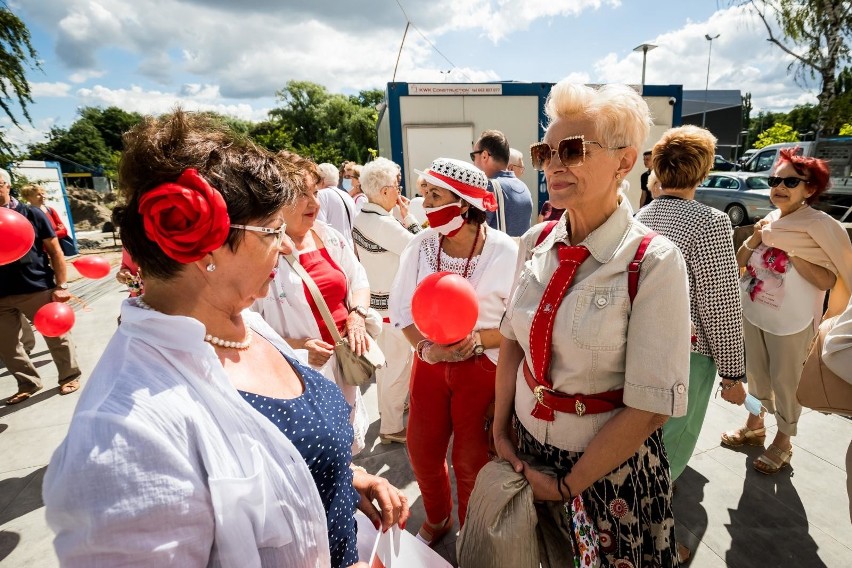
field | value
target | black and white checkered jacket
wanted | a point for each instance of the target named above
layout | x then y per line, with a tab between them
703	235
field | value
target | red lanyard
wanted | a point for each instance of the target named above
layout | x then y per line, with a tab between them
470	256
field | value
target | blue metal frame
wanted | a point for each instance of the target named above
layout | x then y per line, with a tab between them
541	90
71	230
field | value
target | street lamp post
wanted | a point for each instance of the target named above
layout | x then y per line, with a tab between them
644	48
710	39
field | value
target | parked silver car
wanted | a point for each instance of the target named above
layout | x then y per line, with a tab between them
743	196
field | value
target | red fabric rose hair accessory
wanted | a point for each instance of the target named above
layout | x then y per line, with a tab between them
187	218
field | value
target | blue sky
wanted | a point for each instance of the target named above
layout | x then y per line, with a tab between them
231	57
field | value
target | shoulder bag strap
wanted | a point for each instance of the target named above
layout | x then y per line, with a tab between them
548	228
501	209
636	264
318	299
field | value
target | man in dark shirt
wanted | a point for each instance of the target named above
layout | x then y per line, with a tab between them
25	286
645	197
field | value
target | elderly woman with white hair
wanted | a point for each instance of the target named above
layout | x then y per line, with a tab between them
380	239
452	386
595	354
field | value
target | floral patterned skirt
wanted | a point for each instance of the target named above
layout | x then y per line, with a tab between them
630	507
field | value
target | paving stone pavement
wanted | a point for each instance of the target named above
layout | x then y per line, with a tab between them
729	514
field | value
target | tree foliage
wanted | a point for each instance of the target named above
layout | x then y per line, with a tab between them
323	126
846	129
16	56
816	34
776	134
92	144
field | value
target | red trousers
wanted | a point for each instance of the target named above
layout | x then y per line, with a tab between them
449	399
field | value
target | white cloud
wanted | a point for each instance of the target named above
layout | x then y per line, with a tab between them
251	48
26	134
83	76
58	89
191	97
737	61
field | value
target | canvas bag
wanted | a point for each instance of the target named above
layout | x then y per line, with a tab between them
819	388
357	370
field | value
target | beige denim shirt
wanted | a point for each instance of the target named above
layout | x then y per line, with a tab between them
600	342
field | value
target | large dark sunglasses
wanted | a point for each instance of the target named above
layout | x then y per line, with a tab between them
789	182
571	152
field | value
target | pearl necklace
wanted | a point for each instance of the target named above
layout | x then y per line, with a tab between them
238	345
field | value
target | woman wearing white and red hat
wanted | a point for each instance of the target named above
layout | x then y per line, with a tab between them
452	386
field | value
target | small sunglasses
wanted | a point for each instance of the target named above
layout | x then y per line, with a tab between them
571	152
789	182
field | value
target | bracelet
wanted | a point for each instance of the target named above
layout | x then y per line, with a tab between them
729	386
745	244
355	468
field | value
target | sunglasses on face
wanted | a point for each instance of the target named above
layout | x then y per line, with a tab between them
789	182
571	152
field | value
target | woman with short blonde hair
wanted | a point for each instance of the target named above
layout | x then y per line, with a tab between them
579	361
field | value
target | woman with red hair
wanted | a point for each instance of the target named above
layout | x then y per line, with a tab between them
795	254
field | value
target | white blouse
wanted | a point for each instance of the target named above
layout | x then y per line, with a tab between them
165	464
490	275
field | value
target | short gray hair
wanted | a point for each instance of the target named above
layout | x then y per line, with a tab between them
621	116
329	174
377	174
516	158
5	176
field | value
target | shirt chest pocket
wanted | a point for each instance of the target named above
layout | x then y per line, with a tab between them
600	319
249	513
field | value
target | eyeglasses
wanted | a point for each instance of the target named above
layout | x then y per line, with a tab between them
396	187
279	232
789	182
571	152
474	153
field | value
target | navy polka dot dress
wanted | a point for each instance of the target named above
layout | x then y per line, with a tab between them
318	425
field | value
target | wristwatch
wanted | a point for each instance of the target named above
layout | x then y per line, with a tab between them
478	348
63	286
360	310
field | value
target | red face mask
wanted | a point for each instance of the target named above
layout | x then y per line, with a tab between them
446	219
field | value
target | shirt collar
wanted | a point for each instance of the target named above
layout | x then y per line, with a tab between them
371	207
505	174
604	241
13	203
180	333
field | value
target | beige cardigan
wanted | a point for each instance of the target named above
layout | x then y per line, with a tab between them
817	238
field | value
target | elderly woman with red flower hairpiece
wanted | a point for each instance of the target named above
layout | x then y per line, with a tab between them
795	254
166	462
452	386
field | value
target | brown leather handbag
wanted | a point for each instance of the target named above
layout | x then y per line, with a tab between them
819	388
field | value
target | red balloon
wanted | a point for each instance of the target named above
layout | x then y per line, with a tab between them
445	307
92	266
16	235
54	319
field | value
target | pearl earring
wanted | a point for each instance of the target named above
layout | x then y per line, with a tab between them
211	267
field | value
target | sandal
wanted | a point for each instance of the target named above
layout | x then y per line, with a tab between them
744	437
21	396
683	554
767	465
431	535
69	387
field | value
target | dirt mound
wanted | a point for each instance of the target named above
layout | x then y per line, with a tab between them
87	209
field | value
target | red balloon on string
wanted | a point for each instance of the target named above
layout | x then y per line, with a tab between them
92	266
445	307
16	235
54	319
